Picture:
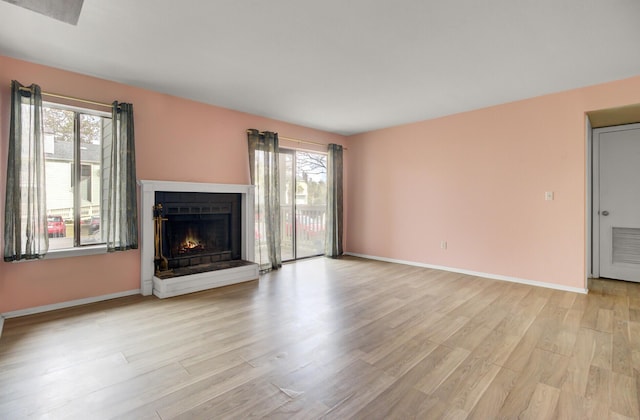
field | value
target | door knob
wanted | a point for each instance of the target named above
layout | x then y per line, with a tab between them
605	213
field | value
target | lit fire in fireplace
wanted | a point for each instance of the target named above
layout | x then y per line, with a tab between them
190	244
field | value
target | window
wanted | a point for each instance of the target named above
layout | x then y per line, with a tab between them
73	167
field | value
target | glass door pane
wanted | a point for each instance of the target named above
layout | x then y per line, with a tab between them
286	205
310	203
303	205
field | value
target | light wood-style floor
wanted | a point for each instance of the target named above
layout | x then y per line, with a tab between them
338	339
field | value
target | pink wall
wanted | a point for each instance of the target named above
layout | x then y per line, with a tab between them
176	139
477	180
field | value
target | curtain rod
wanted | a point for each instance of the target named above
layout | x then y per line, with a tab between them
70	98
298	140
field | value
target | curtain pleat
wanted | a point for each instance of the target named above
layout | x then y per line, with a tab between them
119	160
333	240
263	164
25	223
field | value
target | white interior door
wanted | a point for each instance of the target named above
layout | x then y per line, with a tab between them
619	202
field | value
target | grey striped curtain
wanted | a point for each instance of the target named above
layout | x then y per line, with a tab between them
25	220
334	230
264	169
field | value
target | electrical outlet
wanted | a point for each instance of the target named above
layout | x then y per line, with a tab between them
443	244
548	195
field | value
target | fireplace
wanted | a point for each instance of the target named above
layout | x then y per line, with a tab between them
195	236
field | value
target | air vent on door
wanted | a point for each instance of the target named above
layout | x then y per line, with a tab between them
626	245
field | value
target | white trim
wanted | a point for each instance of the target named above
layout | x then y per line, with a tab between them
70	252
589	201
67	304
155	185
475	273
1	325
301	149
595	204
595	190
76	252
78	109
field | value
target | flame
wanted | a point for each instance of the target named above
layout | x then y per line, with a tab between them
190	243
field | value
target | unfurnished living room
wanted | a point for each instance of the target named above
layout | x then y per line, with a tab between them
338	209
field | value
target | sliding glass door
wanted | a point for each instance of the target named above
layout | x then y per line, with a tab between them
303	200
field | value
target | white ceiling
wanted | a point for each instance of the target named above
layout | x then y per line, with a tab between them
344	66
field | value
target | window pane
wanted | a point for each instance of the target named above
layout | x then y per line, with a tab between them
91	134
58	135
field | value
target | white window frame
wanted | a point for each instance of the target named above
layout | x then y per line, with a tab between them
76	251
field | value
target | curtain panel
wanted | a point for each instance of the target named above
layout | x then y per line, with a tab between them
119	163
25	222
333	240
263	166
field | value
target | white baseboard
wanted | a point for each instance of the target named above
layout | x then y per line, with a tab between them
67	304
475	273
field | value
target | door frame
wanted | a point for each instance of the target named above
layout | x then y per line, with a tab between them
593	192
590	269
294	244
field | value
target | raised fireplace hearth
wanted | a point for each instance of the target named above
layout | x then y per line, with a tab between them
195	236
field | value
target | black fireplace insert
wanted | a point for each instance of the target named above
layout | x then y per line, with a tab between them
200	228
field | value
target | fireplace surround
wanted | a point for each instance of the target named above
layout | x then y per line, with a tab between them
208	236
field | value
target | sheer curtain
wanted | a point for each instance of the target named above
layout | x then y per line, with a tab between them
263	165
119	160
333	240
25	221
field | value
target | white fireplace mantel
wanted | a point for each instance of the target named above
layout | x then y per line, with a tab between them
149	283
